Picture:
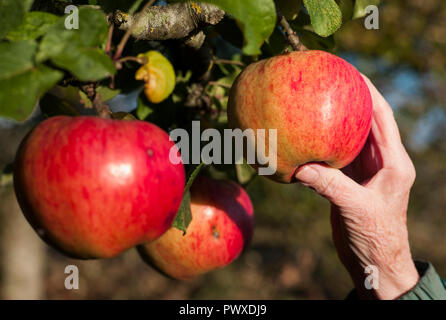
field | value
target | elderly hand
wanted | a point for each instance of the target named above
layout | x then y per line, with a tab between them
369	202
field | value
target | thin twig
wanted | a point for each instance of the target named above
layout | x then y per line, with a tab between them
143	60
118	63
223	85
224	61
101	108
109	38
128	33
291	35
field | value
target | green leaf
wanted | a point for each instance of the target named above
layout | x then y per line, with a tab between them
184	215
86	64
12	12
275	44
315	42
144	108
35	25
123	116
143	111
326	17
77	50
19	93
346	7
16	57
256	19
92	32
27	4
244	173
135	6
360	5
107	93
50	105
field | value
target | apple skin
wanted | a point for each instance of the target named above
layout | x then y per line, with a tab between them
221	227
318	102
94	187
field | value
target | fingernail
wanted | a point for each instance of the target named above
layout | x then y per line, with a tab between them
307	174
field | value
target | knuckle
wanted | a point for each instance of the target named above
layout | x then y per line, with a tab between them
329	187
407	174
412	174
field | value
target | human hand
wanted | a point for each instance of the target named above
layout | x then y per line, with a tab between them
369	201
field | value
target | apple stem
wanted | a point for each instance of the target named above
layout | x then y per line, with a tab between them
101	108
224	61
290	34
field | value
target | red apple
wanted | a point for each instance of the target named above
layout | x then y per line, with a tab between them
95	187
221	227
318	102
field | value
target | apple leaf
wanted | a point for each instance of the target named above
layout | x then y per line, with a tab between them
123	116
12	13
20	92
361	5
87	64
78	50
184	215
21	82
51	105
245	173
107	93
16	57
315	42
256	19
346	7
92	32
158	75
326	17
35	25
144	109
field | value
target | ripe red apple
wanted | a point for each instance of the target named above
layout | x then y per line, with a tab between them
318	102
95	187
221	227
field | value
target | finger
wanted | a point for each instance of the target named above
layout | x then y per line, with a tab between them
330	183
397	166
385	129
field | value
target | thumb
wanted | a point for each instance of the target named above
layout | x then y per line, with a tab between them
330	183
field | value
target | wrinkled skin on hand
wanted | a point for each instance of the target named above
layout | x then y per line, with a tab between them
369	203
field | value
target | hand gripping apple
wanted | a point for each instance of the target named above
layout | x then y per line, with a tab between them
318	102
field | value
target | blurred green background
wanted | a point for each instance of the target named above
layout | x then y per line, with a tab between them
292	255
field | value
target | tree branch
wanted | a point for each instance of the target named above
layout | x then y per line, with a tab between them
129	31
174	21
291	35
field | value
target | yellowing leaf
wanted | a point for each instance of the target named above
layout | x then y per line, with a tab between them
158	75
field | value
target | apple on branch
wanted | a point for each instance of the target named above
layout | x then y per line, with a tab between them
94	187
221	227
